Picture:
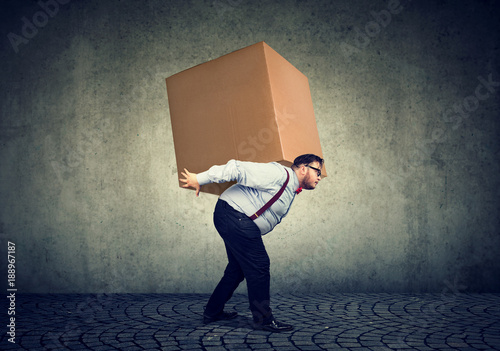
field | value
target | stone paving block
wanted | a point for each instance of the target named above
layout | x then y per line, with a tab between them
170	348
241	347
264	346
370	343
286	348
147	343
216	348
480	346
331	346
379	348
232	342
310	348
349	344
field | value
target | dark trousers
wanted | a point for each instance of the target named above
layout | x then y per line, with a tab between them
248	260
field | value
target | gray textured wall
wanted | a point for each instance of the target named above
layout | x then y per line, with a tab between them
407	119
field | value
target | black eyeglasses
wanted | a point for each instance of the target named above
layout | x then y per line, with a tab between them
316	169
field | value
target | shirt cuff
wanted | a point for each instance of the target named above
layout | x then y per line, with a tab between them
203	178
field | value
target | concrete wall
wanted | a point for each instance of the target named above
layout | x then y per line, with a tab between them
408	124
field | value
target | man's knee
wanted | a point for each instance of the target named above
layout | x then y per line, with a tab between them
258	275
234	275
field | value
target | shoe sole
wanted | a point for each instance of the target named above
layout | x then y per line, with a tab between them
272	329
206	321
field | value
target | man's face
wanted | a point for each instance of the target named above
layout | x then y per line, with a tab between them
311	177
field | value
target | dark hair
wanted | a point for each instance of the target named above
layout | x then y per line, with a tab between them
307	159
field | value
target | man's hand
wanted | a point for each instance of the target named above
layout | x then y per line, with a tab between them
191	181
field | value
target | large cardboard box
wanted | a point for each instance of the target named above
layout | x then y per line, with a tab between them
249	105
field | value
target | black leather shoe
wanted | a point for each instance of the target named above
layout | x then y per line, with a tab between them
221	316
273	326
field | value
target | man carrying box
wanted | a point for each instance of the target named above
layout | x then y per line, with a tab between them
252	207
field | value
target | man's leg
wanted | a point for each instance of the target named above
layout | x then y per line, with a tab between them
245	247
255	264
233	276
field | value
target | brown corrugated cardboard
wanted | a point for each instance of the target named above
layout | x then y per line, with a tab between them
249	105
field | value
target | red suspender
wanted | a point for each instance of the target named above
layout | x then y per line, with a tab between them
273	200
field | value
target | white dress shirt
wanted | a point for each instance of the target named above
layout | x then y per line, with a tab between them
256	183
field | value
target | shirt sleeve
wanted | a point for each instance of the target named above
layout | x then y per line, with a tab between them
262	176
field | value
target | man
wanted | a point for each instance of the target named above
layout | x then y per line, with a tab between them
241	225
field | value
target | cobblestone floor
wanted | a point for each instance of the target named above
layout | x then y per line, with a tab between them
322	322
